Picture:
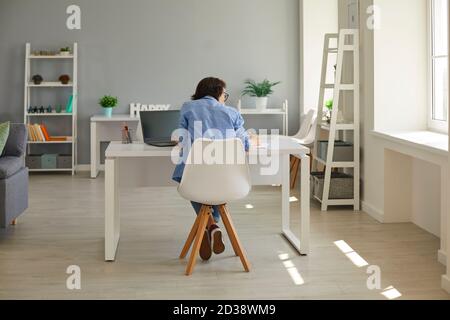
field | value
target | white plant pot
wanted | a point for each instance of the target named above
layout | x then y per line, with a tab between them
261	103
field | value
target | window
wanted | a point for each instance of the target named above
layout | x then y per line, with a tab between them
439	66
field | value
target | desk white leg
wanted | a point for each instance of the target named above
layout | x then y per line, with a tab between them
112	209
302	243
95	151
305	205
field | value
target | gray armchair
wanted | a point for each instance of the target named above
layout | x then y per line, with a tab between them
13	176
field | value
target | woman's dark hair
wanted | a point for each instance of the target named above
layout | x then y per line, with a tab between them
213	87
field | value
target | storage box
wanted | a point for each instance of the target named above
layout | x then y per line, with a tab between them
64	161
343	151
33	161
48	161
341	186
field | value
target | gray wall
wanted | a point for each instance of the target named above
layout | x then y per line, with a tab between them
152	51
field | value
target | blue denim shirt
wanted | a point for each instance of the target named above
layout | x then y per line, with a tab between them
213	116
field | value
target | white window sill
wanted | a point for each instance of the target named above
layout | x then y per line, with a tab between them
425	140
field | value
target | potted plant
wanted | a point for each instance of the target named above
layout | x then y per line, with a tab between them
64	79
108	103
329	106
37	79
260	91
64	51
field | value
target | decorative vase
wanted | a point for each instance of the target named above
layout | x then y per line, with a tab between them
261	103
107	112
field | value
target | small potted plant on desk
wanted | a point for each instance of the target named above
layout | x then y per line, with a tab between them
108	103
260	92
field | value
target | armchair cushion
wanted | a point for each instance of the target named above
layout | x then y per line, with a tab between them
4	133
10	166
17	141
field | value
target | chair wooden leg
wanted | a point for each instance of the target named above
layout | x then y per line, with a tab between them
14	222
191	236
294	172
234	237
198	241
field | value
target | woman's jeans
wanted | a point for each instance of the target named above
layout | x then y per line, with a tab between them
197	206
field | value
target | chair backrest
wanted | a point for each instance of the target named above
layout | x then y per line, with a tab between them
311	136
306	125
216	172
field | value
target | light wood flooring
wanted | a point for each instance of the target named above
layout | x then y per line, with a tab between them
64	226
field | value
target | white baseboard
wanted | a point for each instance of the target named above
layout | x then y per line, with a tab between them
373	212
445	283
442	257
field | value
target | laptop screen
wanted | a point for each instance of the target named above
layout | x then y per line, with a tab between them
159	125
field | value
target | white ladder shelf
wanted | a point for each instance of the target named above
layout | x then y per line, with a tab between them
334	128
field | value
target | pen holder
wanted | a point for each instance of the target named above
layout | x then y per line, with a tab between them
126	136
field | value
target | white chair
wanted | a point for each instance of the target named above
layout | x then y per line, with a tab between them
306	136
216	173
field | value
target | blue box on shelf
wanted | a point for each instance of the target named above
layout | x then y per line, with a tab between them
49	161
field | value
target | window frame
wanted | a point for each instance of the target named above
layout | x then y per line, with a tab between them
433	125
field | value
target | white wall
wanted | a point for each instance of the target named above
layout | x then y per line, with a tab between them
388	100
426	196
401	53
319	17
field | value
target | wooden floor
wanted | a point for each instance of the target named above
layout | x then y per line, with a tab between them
64	226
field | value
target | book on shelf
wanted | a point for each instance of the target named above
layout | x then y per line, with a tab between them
39	133
69	105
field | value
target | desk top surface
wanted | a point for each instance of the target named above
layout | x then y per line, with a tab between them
113	118
283	145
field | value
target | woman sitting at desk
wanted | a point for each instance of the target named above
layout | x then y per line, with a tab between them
208	107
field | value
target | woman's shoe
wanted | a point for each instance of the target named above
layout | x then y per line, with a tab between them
217	244
205	247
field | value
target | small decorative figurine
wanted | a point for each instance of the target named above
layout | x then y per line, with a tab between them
37	79
41	109
35	110
49	109
58	109
30	109
64	79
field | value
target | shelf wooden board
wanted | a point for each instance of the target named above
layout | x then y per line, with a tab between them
339	126
51	57
338	202
51	170
50	142
346	164
53	114
50	84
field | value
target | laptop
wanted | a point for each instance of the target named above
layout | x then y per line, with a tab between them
158	126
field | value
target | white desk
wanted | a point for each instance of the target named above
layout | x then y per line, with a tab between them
124	156
105	129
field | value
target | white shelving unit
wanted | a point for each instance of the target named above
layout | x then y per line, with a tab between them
283	112
334	129
29	86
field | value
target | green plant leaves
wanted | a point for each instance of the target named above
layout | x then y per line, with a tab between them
261	89
108	101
